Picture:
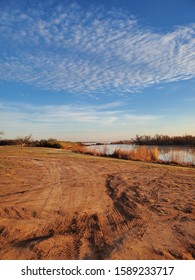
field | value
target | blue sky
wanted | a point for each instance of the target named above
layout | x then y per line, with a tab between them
97	70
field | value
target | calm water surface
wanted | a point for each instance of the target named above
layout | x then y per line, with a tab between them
167	153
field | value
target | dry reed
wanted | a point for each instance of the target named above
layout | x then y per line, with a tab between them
139	153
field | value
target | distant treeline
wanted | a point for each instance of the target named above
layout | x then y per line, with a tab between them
122	142
49	143
187	140
7	142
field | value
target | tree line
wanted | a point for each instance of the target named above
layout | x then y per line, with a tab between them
28	141
157	139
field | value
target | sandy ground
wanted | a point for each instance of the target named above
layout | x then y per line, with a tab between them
60	205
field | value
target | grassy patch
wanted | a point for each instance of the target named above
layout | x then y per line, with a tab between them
67	145
142	153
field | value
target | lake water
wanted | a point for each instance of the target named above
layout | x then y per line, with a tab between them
166	153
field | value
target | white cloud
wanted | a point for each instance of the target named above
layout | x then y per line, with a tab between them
49	118
92	51
87	122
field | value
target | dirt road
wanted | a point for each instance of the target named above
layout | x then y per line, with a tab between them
60	205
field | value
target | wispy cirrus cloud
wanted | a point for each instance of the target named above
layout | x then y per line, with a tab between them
71	113
68	118
67	48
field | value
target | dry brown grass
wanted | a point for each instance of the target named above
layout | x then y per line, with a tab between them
85	150
67	145
139	153
79	149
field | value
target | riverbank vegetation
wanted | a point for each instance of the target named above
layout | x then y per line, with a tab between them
159	140
187	140
139	153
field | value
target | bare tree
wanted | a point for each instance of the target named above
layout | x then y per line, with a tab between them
25	140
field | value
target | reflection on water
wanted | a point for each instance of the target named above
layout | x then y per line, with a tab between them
166	153
177	154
